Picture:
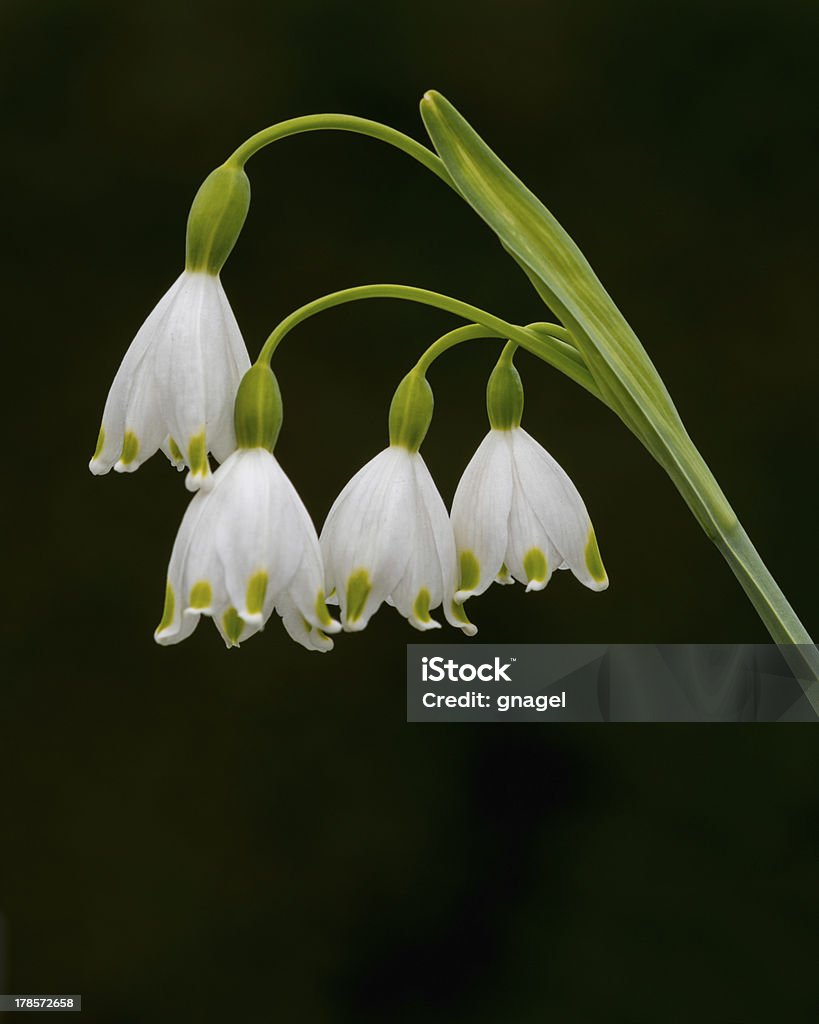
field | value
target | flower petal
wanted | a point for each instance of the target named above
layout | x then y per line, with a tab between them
364	540
421	586
300	629
177	623
133	376
480	515
305	589
234	629
178	379
173	453
555	501
226	346
530	555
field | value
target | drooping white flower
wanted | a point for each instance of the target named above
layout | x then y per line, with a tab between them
516	513
246	546
388	538
175	387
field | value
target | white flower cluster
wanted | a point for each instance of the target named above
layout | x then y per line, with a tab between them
247	545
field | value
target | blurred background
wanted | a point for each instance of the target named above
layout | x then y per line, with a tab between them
195	834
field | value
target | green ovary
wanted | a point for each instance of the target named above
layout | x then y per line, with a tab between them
201	595
167	611
594	563
358	590
256	590
535	565
234	625
130	448
198	455
470	571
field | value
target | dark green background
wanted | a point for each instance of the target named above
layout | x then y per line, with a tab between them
192	834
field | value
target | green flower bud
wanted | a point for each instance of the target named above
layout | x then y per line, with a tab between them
257	414
504	393
217	215
411	411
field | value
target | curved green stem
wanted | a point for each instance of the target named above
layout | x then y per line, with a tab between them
472	332
509	350
556	351
343	123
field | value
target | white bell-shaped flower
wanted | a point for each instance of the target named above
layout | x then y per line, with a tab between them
516	514
388	536
246	546
176	385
